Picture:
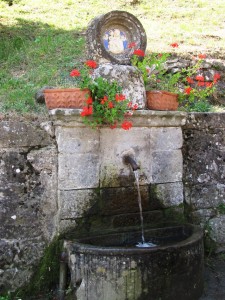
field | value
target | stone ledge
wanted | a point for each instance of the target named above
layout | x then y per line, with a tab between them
140	118
205	120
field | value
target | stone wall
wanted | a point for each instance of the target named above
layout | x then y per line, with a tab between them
28	197
204	172
96	188
57	175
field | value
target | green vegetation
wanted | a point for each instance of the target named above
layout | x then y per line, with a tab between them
221	208
209	243
4	298
40	40
46	277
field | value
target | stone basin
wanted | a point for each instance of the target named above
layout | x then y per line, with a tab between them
111	267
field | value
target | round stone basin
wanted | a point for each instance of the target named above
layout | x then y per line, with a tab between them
111	267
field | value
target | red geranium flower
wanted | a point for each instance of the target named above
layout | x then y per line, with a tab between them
120	97
110	105
86	111
188	90
128	113
174	45
139	52
202	56
189	80
126	125
216	77
131	45
75	73
113	126
135	106
201	83
104	99
208	84
199	78
91	64
89	101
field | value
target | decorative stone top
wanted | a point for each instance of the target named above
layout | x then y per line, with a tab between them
140	118
109	37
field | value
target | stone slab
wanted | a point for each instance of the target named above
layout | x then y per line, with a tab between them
203	196
169	194
114	145
75	203
21	134
77	140
165	138
217	226
167	166
77	171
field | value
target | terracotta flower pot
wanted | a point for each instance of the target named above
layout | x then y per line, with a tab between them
162	100
66	98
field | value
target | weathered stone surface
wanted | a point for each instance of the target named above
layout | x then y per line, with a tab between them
28	180
71	140
109	36
204	164
202	216
28	203
217	226
140	118
123	200
78	171
21	134
66	225
78	158
17	259
75	203
150	218
205	120
19	197
114	145
128	78
166	138
167	166
169	194
44	161
205	195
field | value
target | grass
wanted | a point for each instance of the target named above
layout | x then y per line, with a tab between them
41	39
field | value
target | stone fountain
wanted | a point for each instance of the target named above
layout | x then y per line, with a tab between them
99	213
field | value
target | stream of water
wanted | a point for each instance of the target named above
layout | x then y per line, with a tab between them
143	243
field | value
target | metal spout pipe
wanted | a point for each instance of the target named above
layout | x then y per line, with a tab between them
129	160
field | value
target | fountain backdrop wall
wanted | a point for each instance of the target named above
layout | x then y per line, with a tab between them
98	199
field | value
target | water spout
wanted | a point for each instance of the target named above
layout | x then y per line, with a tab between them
129	160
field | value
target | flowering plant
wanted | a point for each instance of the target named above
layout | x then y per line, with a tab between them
154	71
190	84
197	89
82	78
107	105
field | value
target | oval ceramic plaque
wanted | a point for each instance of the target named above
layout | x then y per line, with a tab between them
112	37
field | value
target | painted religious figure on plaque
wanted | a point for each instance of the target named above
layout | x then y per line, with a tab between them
115	41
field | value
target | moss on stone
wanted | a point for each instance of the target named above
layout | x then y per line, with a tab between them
175	214
221	208
46	278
